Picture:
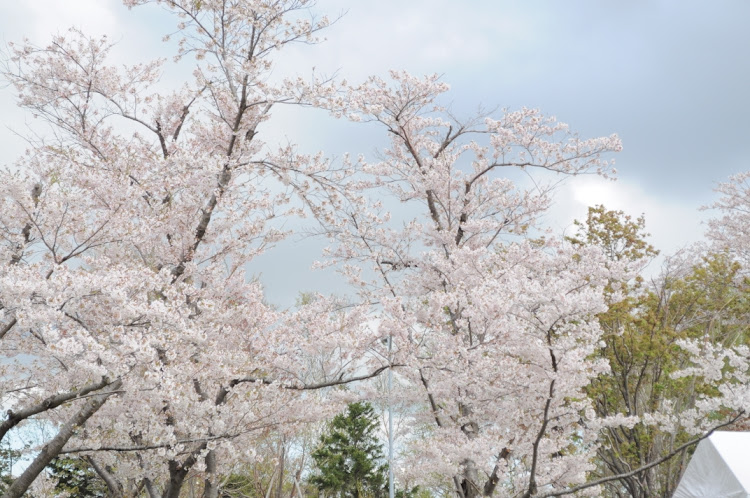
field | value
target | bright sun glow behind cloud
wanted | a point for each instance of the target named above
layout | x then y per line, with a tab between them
673	223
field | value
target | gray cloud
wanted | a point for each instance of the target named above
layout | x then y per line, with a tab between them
670	77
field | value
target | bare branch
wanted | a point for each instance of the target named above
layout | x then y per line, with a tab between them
15	417
643	468
53	448
320	385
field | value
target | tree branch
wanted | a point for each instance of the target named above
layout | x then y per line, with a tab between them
661	460
7	328
55	446
52	402
320	385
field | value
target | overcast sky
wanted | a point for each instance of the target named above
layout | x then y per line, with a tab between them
670	77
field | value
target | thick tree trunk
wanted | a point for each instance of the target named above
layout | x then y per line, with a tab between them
469	480
178	471
210	487
177	474
470	487
53	448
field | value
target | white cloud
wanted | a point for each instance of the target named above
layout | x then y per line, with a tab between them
495	43
38	19
421	36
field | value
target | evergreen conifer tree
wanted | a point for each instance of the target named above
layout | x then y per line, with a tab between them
349	458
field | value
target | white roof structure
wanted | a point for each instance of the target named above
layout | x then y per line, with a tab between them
720	468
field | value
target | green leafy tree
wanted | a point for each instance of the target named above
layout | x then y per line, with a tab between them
75	476
641	332
349	458
7	457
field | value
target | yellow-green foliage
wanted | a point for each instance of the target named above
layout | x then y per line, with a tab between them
641	332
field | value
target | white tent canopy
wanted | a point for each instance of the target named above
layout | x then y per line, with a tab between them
720	467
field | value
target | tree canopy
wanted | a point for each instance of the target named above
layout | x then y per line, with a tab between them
349	460
529	363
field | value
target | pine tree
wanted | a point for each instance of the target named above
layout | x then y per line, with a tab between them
349	457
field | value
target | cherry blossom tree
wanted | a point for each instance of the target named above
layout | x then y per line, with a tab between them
493	318
720	355
128	320
129	323
730	231
497	321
